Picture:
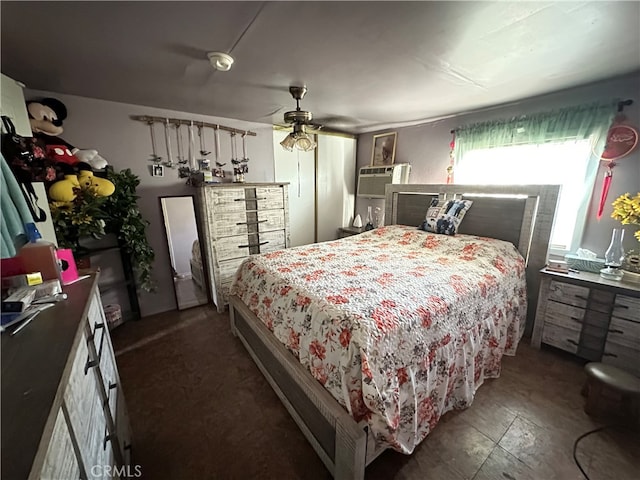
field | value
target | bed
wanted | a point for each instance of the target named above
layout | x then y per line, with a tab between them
197	270
363	363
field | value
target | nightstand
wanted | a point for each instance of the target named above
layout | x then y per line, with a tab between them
591	317
348	231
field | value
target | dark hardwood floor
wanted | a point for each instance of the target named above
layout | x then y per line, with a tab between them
200	408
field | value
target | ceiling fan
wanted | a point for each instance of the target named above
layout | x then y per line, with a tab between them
299	119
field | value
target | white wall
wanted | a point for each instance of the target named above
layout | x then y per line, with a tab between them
426	148
125	143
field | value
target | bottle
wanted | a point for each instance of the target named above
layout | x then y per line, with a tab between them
369	225
614	256
39	255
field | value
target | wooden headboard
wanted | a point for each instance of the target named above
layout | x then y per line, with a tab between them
520	214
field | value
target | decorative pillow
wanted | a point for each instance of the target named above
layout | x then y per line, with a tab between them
445	216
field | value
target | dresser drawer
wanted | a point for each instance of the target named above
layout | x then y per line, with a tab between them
229	224
270	198
624	332
123	429
269	220
225	199
563	338
228	268
622	356
627	307
569	294
562	315
274	241
84	404
228	248
60	460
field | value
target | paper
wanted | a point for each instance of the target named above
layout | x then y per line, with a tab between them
588	254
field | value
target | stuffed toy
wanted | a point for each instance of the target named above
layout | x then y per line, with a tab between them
63	191
46	117
91	157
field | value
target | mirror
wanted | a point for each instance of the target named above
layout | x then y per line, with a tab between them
185	251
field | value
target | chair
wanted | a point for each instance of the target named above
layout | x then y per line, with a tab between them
603	379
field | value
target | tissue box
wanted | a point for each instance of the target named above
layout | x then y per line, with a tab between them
584	264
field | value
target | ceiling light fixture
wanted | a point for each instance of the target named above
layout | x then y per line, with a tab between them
220	61
298	138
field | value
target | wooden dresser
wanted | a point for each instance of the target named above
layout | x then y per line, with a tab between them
63	411
591	317
239	220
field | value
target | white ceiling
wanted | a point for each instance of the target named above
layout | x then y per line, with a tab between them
367	65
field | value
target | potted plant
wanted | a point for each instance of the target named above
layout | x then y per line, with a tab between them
627	209
91	215
83	217
126	222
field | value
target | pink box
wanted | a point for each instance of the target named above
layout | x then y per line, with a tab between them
69	271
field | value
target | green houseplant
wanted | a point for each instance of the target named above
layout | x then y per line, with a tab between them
90	215
84	216
126	222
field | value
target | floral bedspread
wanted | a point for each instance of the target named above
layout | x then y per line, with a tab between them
399	325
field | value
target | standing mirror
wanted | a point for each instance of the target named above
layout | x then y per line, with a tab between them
185	252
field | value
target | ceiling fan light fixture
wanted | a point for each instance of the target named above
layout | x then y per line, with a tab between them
298	118
305	143
220	61
289	142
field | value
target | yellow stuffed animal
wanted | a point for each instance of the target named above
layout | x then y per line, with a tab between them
63	190
102	186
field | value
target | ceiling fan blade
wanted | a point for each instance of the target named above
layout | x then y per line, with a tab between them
274	112
188	51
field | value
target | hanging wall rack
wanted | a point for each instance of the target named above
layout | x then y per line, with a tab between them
179	121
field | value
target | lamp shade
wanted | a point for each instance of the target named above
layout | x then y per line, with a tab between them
288	143
298	139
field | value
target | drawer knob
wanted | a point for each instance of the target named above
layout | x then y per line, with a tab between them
607	354
90	364
576	319
572	342
615	330
581	297
253	245
107	439
251	223
112	385
619	305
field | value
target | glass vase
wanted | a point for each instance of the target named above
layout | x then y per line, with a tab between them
369	224
614	256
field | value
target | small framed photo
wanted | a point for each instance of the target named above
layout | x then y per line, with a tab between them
384	149
157	171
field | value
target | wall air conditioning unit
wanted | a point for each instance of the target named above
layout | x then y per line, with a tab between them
373	180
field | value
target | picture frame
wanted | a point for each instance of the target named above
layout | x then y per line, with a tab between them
383	151
157	170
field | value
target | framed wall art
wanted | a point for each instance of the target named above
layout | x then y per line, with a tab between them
384	149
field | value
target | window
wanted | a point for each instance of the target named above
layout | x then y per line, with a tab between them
565	163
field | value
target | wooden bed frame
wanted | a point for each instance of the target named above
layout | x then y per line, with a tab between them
343	444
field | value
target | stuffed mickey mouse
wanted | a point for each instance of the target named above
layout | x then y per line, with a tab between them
46	117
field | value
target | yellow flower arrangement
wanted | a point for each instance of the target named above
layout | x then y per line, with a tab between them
627	209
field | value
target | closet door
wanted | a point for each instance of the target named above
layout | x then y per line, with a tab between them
335	185
297	168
